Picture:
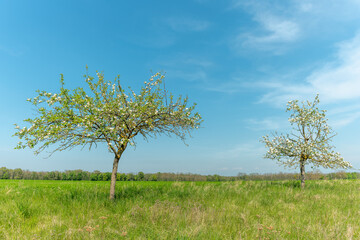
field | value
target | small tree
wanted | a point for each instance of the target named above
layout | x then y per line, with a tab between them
309	143
106	114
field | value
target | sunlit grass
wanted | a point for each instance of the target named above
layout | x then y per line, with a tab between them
179	210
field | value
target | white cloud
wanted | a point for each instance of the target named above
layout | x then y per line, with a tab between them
274	34
322	10
345	109
344	115
305	6
282	92
281	24
277	31
275	28
340	79
335	81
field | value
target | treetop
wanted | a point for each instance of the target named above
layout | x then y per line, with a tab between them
310	140
107	113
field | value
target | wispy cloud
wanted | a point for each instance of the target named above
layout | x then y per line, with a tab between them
198	62
190	76
344	115
186	60
187	67
340	79
227	87
344	119
282	92
335	80
253	150
10	51
274	31
279	25
268	123
187	24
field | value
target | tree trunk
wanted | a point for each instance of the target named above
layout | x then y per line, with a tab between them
302	173
113	177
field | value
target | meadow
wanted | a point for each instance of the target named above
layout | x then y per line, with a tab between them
37	209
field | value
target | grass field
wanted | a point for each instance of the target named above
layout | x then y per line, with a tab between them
179	210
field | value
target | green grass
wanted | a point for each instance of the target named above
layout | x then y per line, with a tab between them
180	210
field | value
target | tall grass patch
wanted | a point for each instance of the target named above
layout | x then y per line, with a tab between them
180	210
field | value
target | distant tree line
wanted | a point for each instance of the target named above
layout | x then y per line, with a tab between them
80	175
73	175
316	175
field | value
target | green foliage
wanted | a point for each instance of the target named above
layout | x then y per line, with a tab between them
130	177
77	175
352	175
309	142
106	176
140	176
6	175
213	178
122	177
95	176
107	113
153	177
18	173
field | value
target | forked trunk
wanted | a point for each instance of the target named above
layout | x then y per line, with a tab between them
302	173
113	177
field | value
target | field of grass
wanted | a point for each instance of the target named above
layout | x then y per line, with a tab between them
179	210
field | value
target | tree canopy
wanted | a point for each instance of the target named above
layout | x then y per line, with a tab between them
106	114
308	143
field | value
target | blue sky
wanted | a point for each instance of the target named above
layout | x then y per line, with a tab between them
240	61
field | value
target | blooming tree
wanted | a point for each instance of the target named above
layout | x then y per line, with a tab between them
106	114
309	143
